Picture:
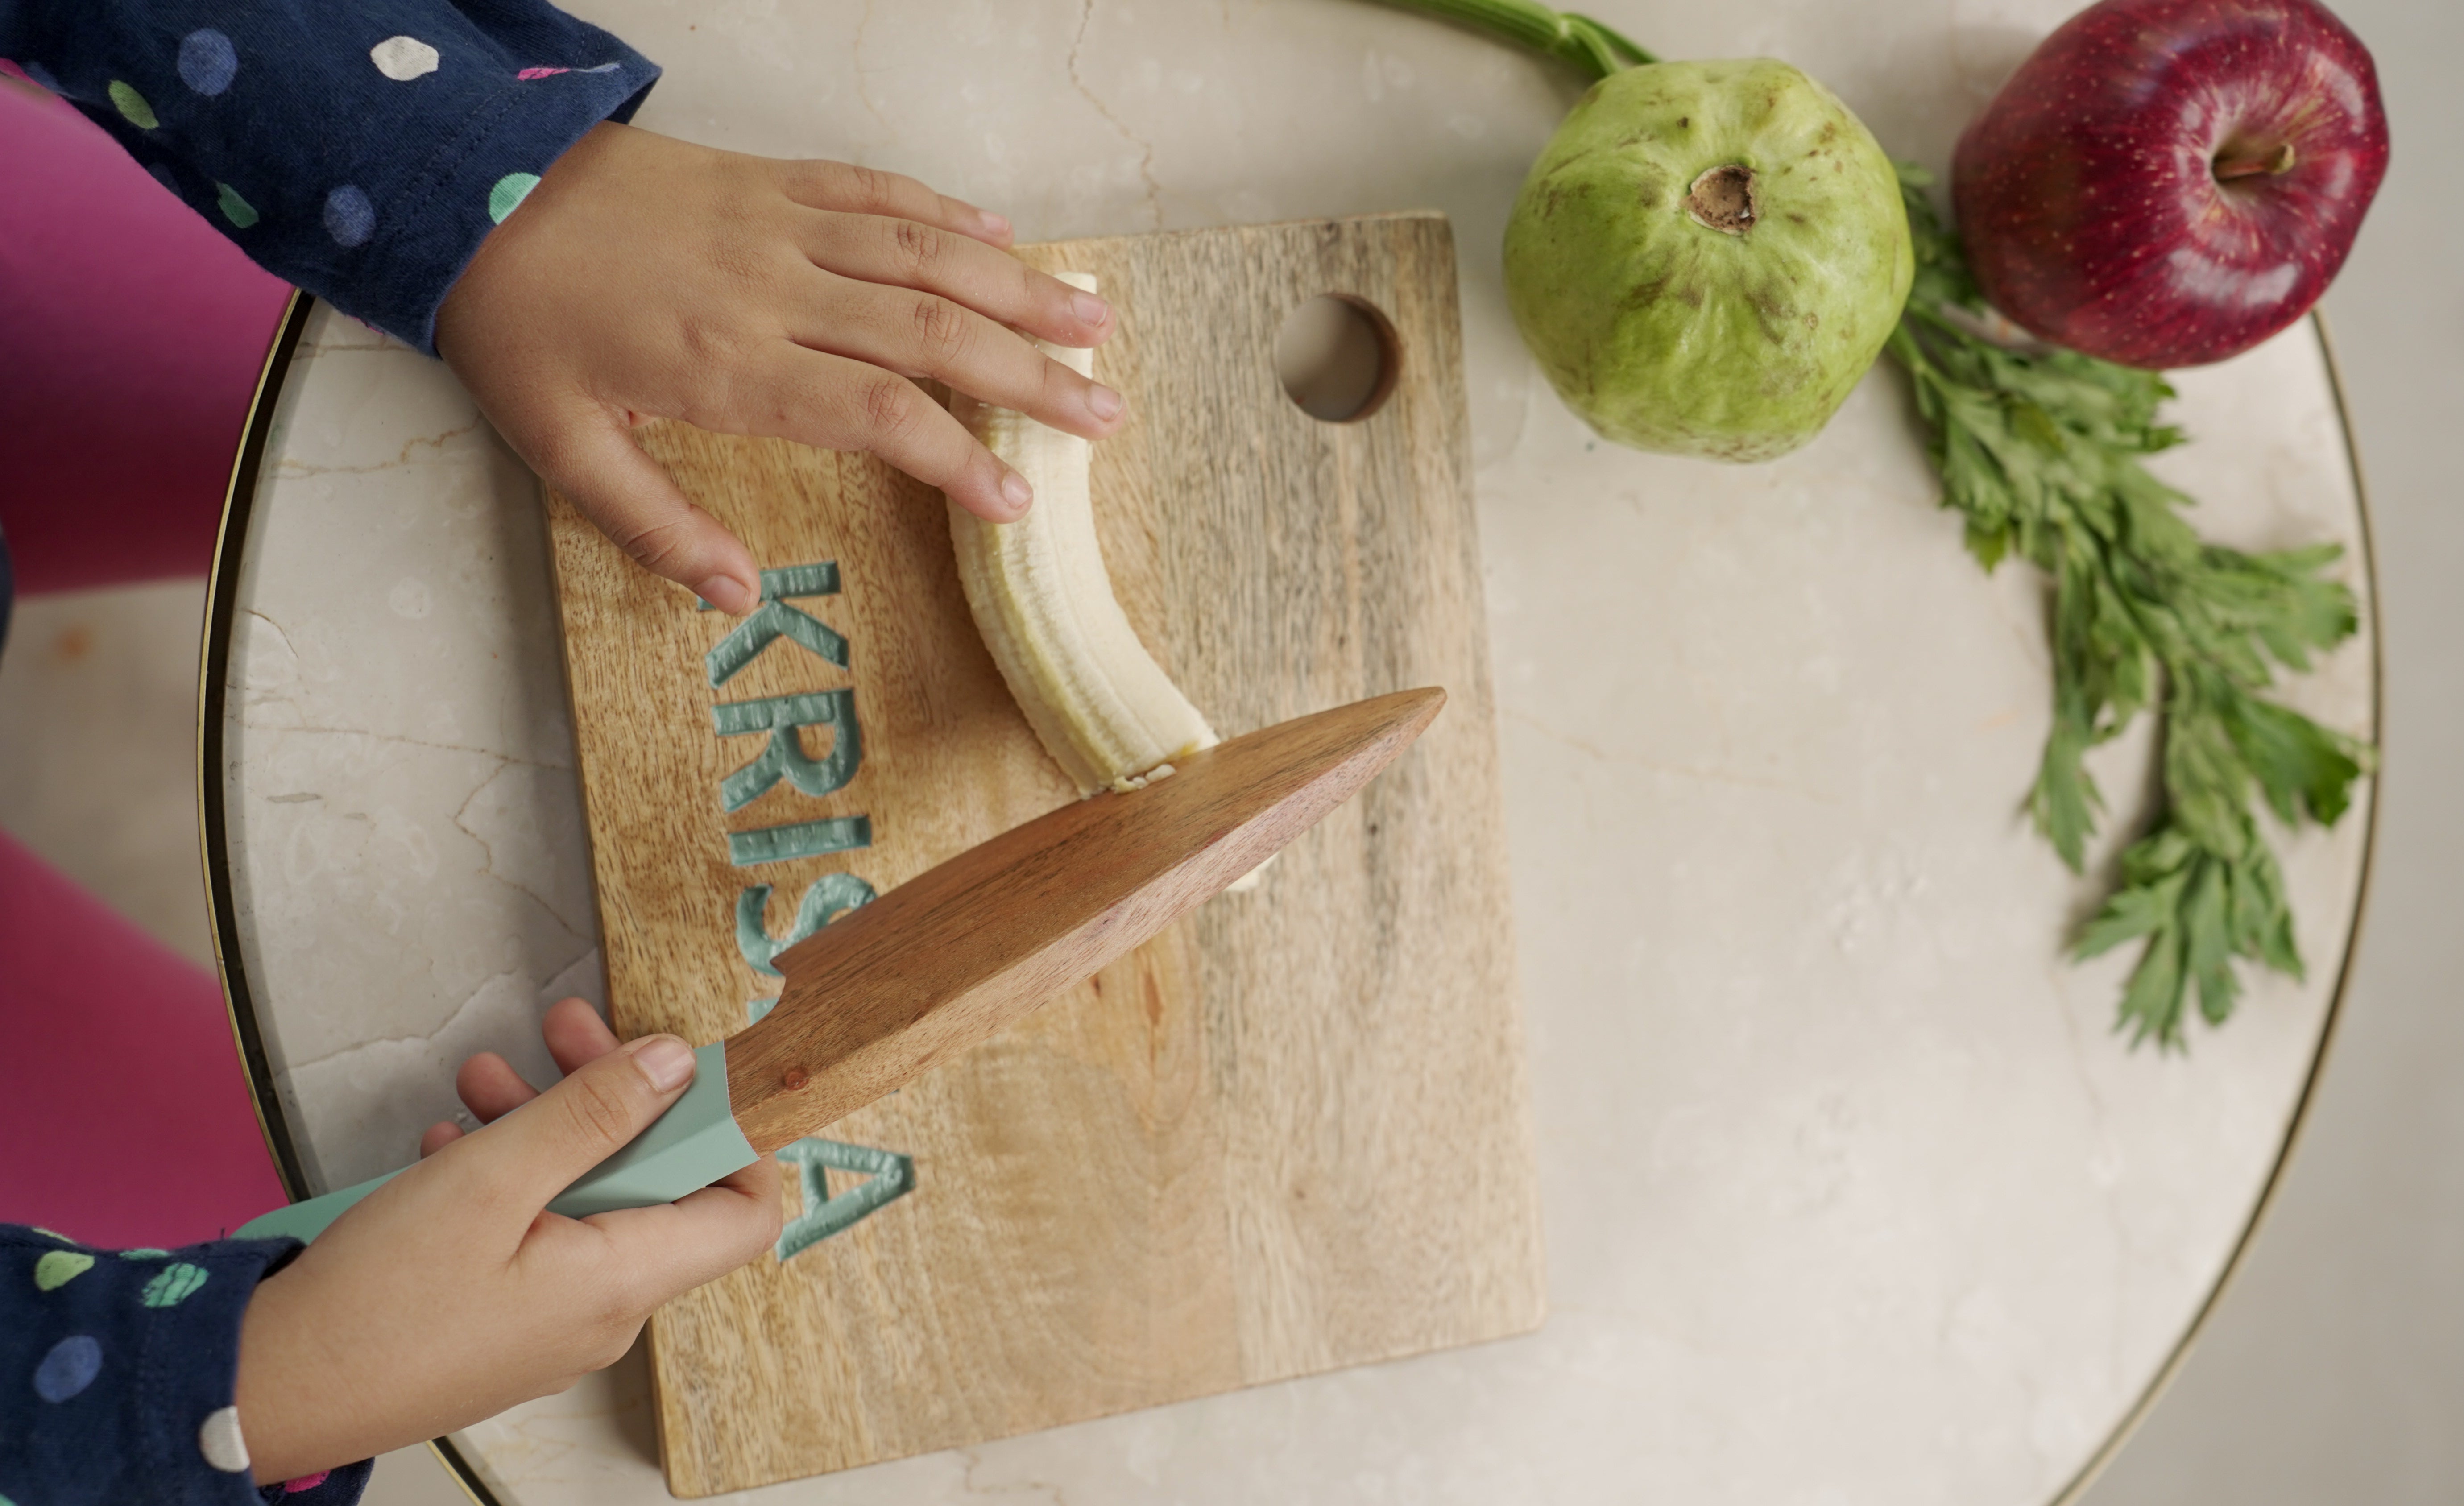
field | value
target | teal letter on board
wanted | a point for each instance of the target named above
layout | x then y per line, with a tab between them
890	1176
799	839
780	716
832	895
774	619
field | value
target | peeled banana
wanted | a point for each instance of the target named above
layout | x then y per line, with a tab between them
1101	705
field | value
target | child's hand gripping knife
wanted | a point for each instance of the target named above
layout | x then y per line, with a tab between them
646	277
449	1295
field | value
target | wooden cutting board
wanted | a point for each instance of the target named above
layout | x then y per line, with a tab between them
1290	1134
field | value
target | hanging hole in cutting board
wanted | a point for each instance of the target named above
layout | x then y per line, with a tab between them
1337	357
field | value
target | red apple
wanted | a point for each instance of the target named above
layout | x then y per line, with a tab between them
2165	182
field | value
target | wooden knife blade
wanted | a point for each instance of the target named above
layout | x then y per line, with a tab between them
956	954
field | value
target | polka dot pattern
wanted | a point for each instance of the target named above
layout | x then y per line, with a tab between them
332	147
132	106
124	1354
68	1368
58	1268
403	58
218	1439
510	192
208	61
175	1284
349	217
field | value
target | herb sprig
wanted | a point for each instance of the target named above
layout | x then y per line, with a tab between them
2041	452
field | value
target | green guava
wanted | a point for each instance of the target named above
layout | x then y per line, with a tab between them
1707	256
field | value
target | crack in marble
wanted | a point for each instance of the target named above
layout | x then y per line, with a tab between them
469	1001
291	467
1601	754
278	631
418	742
974	1460
488	869
252	697
855	62
1145	151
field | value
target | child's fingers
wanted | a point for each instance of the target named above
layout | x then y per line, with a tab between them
530	1156
489	1087
869	190
904	253
594	461
437	1136
832	402
674	1246
923	335
575	1034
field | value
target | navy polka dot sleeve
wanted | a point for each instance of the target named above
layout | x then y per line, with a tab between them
361	149
119	1369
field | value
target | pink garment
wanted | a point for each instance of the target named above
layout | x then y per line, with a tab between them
123	1107
131	336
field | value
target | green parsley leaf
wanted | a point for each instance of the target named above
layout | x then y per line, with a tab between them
2041	452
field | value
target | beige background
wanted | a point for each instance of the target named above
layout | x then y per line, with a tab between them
2331	1370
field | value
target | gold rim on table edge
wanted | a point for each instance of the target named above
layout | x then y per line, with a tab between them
2073	1493
213	684
214	665
213	681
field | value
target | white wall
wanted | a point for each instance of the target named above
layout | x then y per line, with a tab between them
2333	1371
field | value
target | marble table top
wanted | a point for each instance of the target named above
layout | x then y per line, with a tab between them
1851	1193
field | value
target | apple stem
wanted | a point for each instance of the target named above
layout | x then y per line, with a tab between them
2280	160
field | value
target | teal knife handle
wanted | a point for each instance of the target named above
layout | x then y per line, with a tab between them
305	1221
691	1146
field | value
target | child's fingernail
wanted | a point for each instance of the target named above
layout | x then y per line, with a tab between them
1090	308
1016	491
727	594
994	224
666	1061
1103	402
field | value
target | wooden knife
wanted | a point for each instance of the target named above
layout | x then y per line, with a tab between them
956	954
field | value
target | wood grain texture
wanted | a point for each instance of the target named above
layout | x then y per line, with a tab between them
1289	1134
965	949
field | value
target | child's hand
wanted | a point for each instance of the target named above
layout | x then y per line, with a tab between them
645	277
448	1295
